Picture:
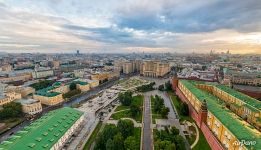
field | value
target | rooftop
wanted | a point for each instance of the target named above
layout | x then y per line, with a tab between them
27	101
43	133
255	104
47	91
238	127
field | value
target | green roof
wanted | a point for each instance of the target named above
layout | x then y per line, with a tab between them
43	133
81	82
47	91
225	116
57	84
250	102
78	82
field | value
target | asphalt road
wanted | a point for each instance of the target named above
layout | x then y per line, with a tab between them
147	131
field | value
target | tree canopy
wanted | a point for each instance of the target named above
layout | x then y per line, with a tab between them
120	137
146	88
125	98
11	110
169	139
72	86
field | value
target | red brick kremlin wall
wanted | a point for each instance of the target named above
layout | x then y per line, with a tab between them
211	139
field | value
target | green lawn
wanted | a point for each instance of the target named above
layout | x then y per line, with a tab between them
202	143
137	100
122	108
177	102
191	139
126	114
88	144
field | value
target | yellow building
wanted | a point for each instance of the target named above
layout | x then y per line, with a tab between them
24	91
127	67
59	88
244	106
50	98
153	68
228	127
30	106
93	83
19	77
100	76
6	68
83	86
9	97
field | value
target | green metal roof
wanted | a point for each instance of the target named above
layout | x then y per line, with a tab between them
251	103
47	91
80	82
43	133
225	116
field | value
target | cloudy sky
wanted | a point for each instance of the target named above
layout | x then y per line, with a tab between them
105	26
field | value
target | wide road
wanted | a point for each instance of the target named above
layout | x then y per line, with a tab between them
147	131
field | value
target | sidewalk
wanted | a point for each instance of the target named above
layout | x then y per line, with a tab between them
84	134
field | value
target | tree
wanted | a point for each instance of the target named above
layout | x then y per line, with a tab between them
179	141
174	131
168	86
159	103
126	128
162	145
161	87
125	98
41	84
107	133
239	66
118	142
171	146
184	109
71	93
72	86
146	88
110	145
135	110
204	67
164	112
11	110
131	144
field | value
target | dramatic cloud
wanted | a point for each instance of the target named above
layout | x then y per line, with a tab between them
130	25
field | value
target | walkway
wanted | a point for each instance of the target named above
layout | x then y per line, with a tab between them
173	115
197	138
147	141
116	122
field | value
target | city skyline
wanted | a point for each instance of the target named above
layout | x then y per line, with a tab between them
130	26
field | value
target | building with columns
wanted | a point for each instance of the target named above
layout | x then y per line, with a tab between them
154	68
30	106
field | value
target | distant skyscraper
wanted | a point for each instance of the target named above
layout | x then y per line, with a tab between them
78	52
